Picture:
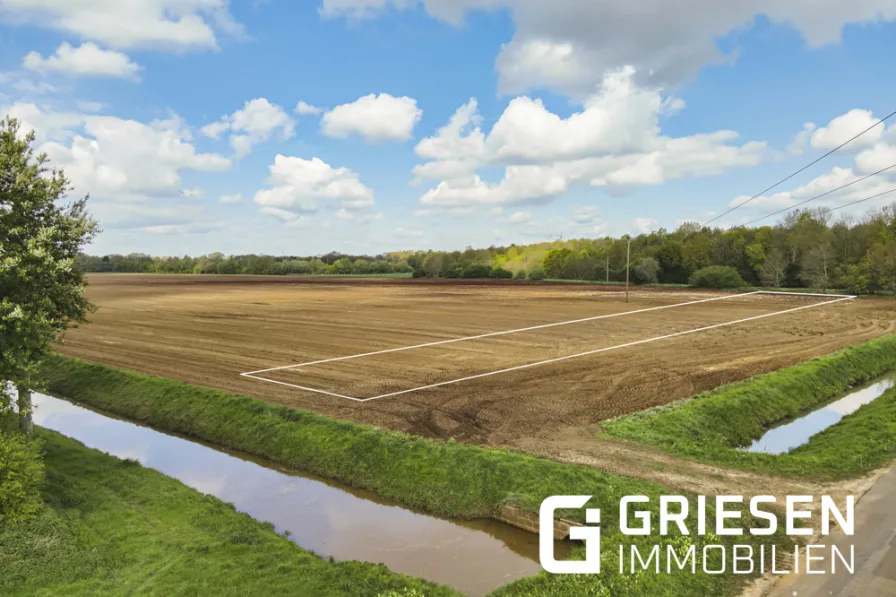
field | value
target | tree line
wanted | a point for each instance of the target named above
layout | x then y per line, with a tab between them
807	249
218	263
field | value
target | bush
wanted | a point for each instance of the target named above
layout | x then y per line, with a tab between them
21	474
500	272
536	274
474	270
647	271
717	276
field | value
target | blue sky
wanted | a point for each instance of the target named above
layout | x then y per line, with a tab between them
182	120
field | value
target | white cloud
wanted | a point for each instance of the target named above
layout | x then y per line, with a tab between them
568	46
876	153
114	158
520	217
25	84
798	145
377	118
305	109
230	199
193	193
843	128
46	124
86	60
614	141
161	24
297	186
255	123
645	225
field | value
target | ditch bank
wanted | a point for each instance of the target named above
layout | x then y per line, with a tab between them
330	521
716	426
443	478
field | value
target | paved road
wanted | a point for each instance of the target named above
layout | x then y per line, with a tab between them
875	541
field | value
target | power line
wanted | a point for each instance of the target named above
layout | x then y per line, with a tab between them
840	188
804	168
863	200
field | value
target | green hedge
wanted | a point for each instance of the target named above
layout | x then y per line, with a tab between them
711	426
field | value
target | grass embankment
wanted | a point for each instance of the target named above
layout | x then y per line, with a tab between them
112	527
711	426
446	478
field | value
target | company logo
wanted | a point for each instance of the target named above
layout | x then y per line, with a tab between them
590	535
677	548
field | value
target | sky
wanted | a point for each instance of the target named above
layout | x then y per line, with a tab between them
365	126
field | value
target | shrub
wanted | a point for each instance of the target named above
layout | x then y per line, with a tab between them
647	271
500	272
717	276
536	274
474	270
21	474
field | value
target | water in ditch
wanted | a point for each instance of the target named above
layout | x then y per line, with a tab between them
782	439
474	557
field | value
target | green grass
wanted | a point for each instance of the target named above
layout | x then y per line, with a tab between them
112	527
711	426
445	478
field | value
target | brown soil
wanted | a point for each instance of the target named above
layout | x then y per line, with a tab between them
207	330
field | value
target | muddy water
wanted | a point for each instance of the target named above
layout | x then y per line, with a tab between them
473	557
784	438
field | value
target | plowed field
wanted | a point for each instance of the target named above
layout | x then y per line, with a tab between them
208	330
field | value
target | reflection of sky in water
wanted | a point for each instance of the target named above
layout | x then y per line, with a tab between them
321	518
796	433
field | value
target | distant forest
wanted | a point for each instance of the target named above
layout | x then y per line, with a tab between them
806	250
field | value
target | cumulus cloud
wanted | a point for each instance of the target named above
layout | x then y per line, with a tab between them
377	118
230	199
568	46
297	186
306	109
161	24
843	128
86	60
114	158
255	123
870	155
614	141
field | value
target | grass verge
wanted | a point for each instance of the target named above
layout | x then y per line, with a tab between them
711	426
445	478
112	527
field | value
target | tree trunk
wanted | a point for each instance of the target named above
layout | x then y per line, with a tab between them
24	403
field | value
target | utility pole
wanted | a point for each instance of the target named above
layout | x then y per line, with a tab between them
628	266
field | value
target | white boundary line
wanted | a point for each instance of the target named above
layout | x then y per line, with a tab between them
837	298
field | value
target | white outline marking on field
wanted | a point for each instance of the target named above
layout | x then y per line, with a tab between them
253	374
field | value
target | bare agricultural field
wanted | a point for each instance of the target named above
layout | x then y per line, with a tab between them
207	330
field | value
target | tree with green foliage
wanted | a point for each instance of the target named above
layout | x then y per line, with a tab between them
41	289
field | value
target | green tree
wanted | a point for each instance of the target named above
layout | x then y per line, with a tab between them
41	287
556	261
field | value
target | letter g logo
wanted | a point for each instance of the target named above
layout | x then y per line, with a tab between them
590	535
